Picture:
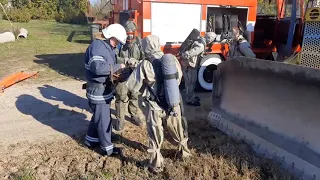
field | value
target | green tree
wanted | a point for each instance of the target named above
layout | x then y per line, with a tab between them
264	7
20	3
101	9
72	11
75	4
68	11
3	2
43	9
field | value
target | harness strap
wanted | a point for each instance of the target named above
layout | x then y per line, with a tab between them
172	76
96	85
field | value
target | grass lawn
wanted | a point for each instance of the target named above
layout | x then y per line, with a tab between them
51	48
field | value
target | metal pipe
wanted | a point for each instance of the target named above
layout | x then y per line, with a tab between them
292	27
22	34
7	37
281	8
302	10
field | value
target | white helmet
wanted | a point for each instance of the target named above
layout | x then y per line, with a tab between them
117	31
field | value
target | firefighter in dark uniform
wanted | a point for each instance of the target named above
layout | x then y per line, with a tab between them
100	65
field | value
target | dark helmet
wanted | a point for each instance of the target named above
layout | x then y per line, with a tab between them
131	28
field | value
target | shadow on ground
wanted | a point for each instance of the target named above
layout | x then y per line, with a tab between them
84	37
83	41
66	29
70	65
73	33
62	120
68	98
69	122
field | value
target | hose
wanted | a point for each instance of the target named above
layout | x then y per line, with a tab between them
292	59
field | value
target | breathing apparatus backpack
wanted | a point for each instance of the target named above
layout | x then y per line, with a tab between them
168	92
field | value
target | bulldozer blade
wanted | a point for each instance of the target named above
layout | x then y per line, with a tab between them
273	106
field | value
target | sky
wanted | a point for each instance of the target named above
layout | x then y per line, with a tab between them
93	1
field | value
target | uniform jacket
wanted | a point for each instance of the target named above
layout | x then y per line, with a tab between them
100	61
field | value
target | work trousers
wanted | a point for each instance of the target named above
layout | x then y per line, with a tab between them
190	78
100	129
176	127
126	100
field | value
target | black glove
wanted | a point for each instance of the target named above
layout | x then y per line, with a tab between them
123	74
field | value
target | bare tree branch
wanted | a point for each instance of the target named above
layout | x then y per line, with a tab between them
102	8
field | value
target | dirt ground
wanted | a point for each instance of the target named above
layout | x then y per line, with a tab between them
43	125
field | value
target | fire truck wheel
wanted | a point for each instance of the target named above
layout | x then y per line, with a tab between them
208	64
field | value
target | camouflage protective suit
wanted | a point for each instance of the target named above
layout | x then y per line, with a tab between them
144	77
130	55
189	65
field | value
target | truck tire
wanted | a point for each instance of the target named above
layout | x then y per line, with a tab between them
207	65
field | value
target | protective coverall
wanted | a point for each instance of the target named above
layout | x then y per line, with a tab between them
99	64
190	60
130	54
144	77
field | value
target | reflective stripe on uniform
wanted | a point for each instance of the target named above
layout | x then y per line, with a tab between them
94	58
99	97
92	139
108	148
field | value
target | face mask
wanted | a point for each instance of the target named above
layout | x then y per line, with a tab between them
130	37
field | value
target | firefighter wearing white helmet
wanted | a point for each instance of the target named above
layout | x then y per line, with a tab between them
100	64
116	31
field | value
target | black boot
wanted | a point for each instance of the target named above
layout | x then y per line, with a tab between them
137	120
115	152
197	98
90	145
194	103
115	137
